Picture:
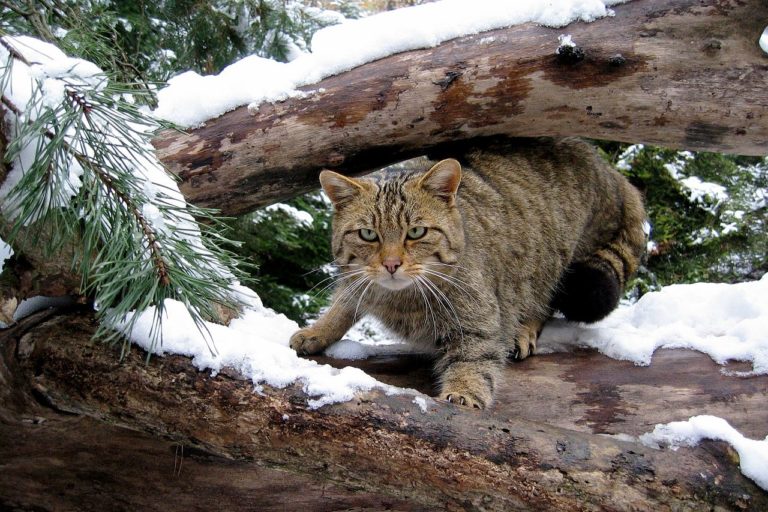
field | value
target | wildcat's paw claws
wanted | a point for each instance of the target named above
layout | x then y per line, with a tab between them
522	351
458	399
304	343
525	344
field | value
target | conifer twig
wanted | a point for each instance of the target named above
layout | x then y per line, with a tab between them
93	168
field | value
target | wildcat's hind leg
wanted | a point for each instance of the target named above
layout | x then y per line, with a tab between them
591	287
525	341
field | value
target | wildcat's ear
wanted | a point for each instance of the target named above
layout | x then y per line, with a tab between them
339	188
443	180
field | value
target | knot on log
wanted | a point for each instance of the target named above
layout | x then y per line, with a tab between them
570	55
450	77
617	60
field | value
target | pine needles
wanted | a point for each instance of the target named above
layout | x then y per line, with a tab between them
80	150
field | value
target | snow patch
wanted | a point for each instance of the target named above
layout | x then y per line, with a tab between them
753	455
421	402
627	158
6	251
191	99
725	321
301	217
34	304
565	41
700	191
256	346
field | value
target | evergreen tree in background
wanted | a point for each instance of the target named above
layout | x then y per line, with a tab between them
152	41
708	212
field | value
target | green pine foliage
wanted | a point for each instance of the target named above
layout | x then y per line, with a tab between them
88	175
716	237
292	274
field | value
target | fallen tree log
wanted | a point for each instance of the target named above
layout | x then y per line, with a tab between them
679	73
271	452
82	430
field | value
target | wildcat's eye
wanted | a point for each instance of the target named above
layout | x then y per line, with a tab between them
368	235
416	232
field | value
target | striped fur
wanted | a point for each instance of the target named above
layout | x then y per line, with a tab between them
470	262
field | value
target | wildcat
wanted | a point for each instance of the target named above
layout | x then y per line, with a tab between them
471	262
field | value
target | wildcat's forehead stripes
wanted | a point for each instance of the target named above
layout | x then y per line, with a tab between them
538	226
391	209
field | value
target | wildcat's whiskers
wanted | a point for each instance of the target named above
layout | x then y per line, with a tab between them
537	226
334	280
443	301
419	286
460	284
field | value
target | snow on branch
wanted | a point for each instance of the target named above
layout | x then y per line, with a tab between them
338	48
80	155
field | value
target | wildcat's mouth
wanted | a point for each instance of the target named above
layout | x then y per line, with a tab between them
394	282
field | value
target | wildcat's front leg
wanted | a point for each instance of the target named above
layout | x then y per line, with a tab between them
327	330
469	371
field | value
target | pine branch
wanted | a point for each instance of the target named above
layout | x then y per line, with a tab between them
15	8
130	261
17	55
149	233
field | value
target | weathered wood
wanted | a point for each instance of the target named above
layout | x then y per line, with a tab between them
377	449
585	391
77	463
679	73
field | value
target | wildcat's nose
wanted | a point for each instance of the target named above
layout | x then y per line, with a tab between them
391	263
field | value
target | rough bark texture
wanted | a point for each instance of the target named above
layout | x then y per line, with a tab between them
84	431
679	73
80	430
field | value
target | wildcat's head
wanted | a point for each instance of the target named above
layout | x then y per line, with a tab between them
394	230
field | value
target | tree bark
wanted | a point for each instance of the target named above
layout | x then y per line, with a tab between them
81	430
86	432
678	73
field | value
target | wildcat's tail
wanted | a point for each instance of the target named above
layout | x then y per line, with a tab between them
591	287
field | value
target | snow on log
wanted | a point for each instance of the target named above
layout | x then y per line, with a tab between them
678	73
161	430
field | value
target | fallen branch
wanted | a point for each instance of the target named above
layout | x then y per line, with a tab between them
679	73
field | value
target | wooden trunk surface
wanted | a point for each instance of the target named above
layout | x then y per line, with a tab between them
679	73
82	431
585	391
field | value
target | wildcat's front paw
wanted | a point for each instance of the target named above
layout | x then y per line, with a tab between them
468	391
308	341
457	398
